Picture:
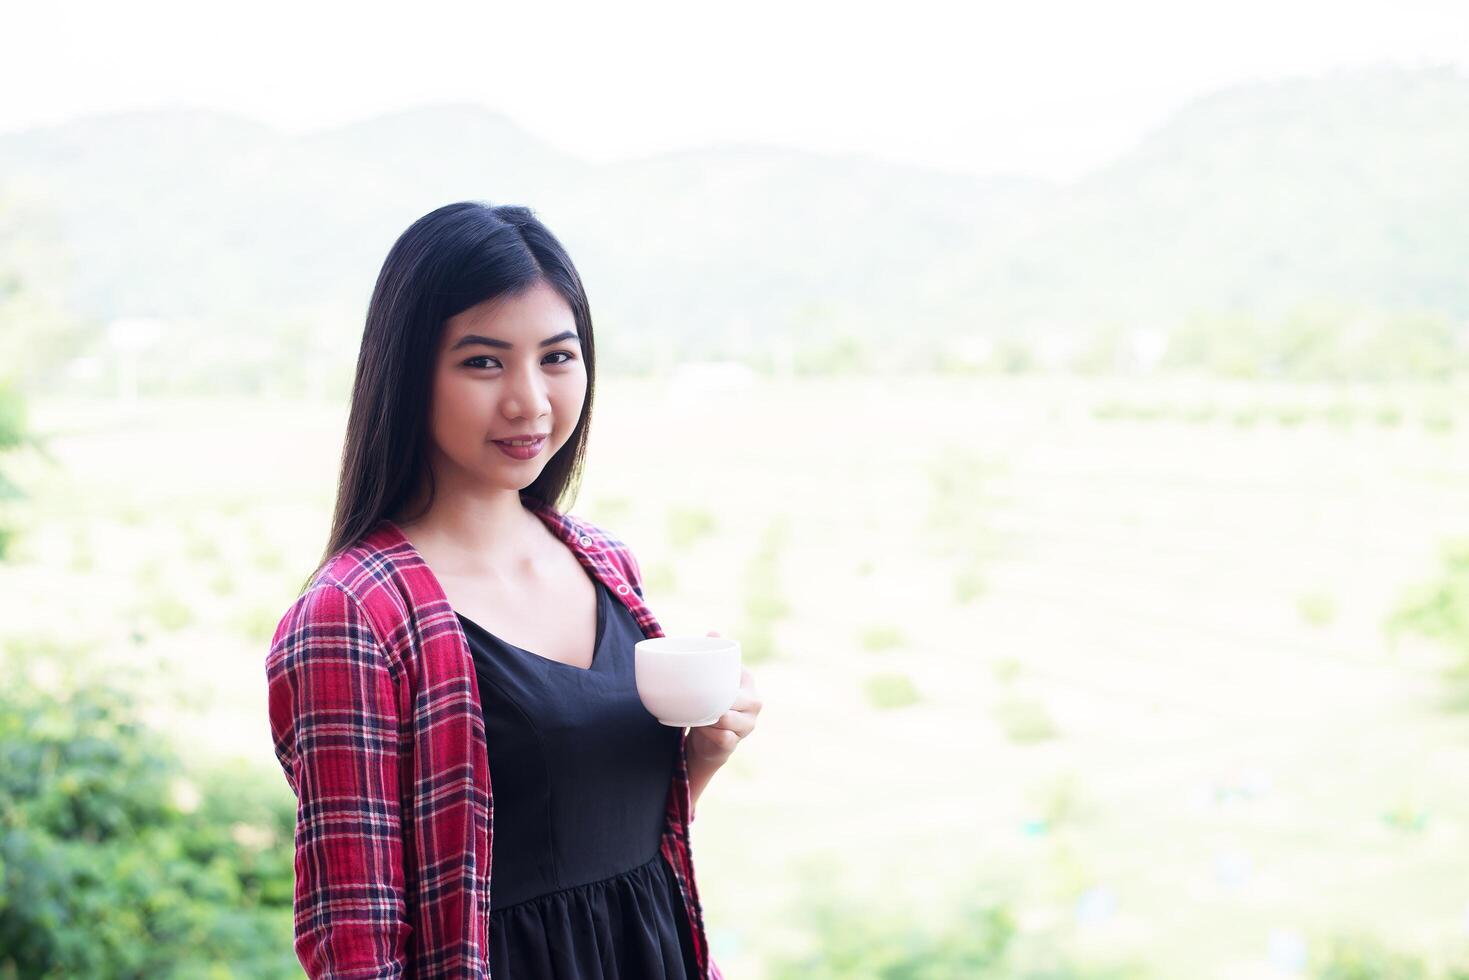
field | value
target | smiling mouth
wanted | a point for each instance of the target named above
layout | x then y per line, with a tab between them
521	448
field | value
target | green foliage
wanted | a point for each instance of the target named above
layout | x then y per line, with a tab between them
660	579
202	545
1024	720
883	637
82	559
856	943
969	583
1340	414
267	558
887	691
1438	419
757	642
257	622
610	511
765	601
1200	413
1366	958
1319	343
1290	415
1234	205
1245	416
1316	608
222	583
839	354
1406	814
1057	801
116	860
957	519
12	436
169	611
1388	415
974	936
1439	609
12	416
1006	669
687	525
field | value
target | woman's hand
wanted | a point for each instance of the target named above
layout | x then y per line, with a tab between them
715	743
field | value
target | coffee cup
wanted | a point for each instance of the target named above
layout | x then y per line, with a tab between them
687	681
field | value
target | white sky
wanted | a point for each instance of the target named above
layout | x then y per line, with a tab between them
1039	87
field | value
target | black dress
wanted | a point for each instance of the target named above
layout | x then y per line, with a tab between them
580	773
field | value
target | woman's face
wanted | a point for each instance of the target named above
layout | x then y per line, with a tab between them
507	368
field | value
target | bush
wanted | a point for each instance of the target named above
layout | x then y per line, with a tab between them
1364	958
881	637
688	525
12	436
974	937
852	943
1439	609
1341	955
1024	720
765	601
1316	608
117	862
886	691
969	584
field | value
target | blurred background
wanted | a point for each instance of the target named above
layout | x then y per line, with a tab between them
1066	407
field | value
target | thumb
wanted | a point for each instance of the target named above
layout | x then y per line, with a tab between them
712	633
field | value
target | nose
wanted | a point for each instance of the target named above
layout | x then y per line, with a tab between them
524	394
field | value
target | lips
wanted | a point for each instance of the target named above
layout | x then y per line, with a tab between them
522	451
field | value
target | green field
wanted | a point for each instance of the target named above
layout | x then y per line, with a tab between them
1112	649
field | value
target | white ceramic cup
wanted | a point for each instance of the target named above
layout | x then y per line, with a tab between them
687	681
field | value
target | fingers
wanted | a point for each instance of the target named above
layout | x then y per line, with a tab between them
747	700
724	741
741	723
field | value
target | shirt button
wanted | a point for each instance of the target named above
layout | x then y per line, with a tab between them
586	541
622	588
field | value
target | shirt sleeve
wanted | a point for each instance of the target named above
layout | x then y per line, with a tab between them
334	717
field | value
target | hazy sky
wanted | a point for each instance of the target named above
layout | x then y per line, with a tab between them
1032	86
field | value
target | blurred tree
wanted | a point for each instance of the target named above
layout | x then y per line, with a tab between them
116	862
12	435
36	337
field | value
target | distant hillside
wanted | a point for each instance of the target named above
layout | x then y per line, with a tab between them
1253	201
1350	189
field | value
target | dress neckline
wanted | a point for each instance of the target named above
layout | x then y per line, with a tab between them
601	591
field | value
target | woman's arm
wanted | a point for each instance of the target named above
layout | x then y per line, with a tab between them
709	746
334	716
701	770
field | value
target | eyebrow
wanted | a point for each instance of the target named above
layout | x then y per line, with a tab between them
474	338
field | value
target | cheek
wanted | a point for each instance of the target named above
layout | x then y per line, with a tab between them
567	398
455	414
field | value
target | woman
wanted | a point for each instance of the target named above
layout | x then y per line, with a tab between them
453	691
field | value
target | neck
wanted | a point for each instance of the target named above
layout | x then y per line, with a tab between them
478	532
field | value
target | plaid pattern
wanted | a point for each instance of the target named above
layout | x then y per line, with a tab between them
375	713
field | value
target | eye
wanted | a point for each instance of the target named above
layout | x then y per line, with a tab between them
486	357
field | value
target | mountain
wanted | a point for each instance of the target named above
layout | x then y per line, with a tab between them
1347	188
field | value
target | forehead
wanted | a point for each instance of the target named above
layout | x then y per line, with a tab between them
537	313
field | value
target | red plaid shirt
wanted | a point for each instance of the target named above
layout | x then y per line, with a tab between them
375	712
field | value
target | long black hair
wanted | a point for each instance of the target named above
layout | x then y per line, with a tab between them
445	262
